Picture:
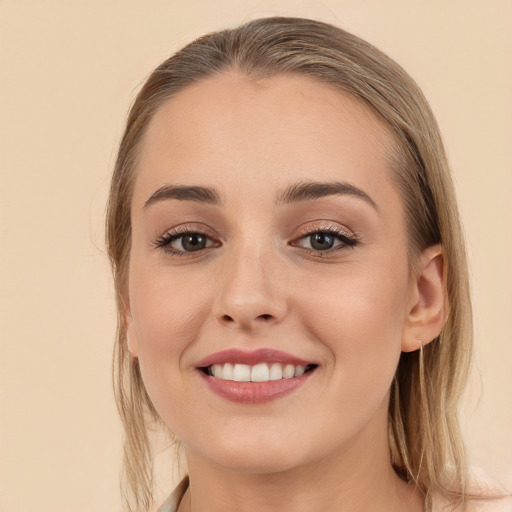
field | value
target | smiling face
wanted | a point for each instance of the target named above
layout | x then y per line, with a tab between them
268	243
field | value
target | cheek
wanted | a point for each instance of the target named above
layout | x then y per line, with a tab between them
167	317
359	316
165	307
359	319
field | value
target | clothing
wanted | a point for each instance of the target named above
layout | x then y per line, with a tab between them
502	505
172	502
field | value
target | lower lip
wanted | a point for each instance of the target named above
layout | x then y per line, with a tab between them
254	392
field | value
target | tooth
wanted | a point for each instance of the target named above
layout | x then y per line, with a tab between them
257	373
260	373
242	373
289	371
276	372
227	372
299	371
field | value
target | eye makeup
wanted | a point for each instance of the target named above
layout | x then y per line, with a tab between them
192	239
320	238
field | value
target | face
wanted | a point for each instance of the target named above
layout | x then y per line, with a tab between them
269	278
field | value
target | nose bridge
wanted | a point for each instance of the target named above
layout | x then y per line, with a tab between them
250	292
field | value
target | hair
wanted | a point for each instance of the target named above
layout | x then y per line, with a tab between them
424	436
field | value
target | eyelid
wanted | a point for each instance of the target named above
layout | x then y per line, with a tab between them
346	237
324	225
163	242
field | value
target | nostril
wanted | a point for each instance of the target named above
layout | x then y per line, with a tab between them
246	321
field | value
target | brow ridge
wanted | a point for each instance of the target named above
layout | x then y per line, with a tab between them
194	193
305	191
302	191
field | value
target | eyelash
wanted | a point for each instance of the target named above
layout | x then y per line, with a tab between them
347	241
165	241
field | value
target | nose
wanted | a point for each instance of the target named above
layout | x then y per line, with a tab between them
251	294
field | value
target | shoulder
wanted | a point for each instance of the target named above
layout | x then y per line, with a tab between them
483	484
490	505
489	495
498	504
493	504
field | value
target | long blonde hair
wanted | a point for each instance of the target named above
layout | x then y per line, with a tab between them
426	444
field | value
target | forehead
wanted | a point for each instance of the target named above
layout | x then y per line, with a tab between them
288	127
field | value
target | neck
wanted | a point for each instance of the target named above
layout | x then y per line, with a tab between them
359	477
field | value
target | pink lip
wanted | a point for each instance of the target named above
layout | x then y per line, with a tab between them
252	392
262	355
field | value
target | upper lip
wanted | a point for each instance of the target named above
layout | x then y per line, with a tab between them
251	358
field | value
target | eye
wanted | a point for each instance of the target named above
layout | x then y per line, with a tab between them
325	240
190	242
180	243
321	241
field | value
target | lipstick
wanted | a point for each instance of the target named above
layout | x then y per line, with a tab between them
252	377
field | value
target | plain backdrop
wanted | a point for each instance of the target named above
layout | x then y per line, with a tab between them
68	73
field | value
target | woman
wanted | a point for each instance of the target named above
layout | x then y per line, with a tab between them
291	279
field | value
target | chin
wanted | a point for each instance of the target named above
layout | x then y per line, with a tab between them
258	454
256	461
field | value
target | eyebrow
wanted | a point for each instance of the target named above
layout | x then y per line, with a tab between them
294	193
315	190
197	194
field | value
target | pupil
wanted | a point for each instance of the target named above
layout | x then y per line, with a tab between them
322	241
194	242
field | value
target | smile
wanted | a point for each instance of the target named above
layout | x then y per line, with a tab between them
262	372
254	377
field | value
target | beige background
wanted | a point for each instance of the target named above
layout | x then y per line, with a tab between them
68	71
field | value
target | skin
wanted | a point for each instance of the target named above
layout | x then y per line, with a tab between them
259	284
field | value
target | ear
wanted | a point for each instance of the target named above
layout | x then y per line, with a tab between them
427	307
131	336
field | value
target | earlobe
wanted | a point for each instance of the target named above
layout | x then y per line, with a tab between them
427	308
131	344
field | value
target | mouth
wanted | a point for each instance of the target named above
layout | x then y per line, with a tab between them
254	377
262	372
